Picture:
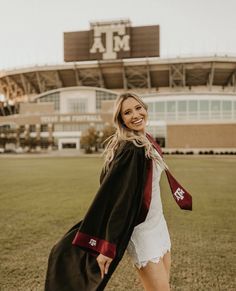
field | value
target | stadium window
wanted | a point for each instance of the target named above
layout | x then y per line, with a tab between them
215	109
158	111
227	105
150	107
182	106
171	106
192	106
193	113
53	97
181	109
151	113
101	95
204	105
78	105
32	128
43	127
204	109
171	110
227	109
160	107
215	105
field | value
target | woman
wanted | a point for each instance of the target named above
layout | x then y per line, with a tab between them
125	214
149	246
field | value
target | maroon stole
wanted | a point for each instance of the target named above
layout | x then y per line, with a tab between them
181	196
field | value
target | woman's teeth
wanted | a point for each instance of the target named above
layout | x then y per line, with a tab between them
138	121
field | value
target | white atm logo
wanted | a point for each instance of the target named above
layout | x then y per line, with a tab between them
179	194
93	242
114	43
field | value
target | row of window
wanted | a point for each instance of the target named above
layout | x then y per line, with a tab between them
78	105
76	127
53	97
32	128
191	109
22	128
57	127
101	96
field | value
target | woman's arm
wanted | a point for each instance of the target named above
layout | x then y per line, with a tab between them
111	216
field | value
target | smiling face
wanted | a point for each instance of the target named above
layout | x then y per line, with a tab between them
133	114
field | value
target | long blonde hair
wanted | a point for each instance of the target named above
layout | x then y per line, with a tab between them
125	134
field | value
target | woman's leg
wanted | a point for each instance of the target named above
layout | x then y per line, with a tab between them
154	276
167	264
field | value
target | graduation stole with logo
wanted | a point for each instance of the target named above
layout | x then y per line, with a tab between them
181	196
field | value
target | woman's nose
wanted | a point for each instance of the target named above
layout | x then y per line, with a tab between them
135	114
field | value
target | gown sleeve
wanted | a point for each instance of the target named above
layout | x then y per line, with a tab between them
116	205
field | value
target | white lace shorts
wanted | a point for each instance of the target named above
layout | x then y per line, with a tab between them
149	244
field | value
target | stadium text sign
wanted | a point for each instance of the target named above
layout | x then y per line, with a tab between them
70	118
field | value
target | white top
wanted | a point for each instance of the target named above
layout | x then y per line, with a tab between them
150	239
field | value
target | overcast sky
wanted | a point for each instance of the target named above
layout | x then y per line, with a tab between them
31	31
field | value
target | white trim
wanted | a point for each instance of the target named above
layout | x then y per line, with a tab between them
67	134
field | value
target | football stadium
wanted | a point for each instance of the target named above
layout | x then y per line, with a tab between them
48	109
191	101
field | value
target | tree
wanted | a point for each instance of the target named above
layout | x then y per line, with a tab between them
107	131
89	140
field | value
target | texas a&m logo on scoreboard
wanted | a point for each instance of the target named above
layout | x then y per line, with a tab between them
110	41
117	38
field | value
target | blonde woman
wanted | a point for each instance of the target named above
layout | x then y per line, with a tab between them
126	214
149	245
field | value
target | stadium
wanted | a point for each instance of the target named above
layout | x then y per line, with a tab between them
191	101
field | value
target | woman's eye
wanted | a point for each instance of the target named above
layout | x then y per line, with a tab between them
139	107
127	112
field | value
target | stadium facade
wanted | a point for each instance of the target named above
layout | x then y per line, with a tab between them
191	101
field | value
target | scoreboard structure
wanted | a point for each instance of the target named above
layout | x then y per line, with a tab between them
114	40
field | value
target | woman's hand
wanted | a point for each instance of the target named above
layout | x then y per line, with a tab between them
103	263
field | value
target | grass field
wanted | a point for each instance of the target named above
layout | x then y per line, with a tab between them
40	198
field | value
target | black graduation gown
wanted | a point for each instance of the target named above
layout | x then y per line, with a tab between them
118	206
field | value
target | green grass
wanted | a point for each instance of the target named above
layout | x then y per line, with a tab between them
41	198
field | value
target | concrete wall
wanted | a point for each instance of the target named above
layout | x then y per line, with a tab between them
31	108
201	136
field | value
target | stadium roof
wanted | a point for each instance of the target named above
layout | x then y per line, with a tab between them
122	74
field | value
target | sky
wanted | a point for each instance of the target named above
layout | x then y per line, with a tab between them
31	31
